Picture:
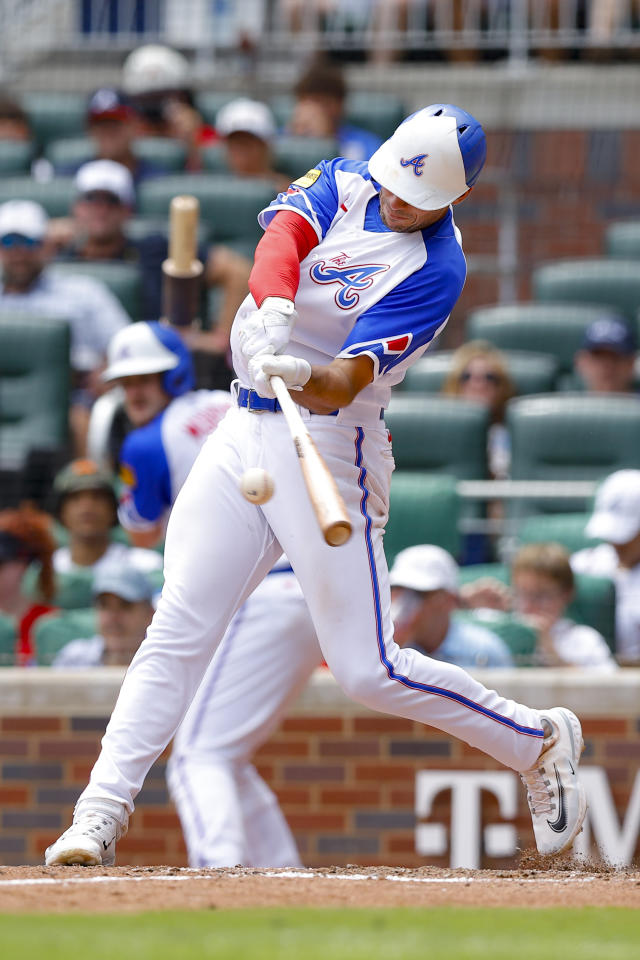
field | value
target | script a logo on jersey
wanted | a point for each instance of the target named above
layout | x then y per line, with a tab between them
351	278
416	162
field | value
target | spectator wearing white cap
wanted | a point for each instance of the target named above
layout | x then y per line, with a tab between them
93	313
123	599
606	359
424	595
248	130
158	81
616	521
97	230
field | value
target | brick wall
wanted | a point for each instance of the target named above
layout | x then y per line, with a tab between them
346	777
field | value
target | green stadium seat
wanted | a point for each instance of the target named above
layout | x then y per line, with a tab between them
551	328
214	159
572	437
378	112
15	157
423	509
230	205
439	434
566	529
35	378
530	372
163	152
519	637
208	103
595	604
56	196
70	152
295	155
122	279
622	239
54	115
74	589
606	281
54	631
8	639
137	228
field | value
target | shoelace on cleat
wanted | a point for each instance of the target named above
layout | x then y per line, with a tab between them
539	792
87	824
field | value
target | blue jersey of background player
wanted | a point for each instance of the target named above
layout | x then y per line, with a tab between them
171	421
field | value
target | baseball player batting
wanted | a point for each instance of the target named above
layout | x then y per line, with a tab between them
359	268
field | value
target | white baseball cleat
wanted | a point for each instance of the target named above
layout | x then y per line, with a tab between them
556	797
90	840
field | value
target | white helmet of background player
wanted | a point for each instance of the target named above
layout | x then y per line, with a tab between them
432	158
153	68
151	348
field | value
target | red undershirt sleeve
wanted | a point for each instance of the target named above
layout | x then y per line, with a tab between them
288	239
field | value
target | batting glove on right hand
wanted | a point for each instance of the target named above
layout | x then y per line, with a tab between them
294	371
267	330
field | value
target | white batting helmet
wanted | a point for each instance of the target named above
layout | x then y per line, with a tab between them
432	158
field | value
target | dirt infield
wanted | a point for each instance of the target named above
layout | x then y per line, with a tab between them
98	889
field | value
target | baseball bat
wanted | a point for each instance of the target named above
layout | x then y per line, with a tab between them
328	505
182	271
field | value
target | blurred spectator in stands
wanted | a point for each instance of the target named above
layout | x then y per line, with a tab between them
248	129
616	521
479	373
25	538
424	595
93	313
605	361
97	231
158	81
14	123
542	587
319	111
111	124
87	507
123	601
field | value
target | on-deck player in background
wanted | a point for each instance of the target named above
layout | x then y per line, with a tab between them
228	813
359	268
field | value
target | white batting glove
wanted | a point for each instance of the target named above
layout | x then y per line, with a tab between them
268	329
294	371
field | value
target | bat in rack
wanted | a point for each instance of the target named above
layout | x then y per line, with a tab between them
328	505
182	271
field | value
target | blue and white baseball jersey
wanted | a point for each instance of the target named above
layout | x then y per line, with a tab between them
156	458
364	288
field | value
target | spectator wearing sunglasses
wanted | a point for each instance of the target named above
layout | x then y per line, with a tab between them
27	286
479	373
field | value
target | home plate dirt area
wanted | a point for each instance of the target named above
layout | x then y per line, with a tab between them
115	889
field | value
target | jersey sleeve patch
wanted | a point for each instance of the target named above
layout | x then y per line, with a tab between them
385	353
308	179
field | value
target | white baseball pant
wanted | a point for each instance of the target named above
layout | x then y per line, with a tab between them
219	547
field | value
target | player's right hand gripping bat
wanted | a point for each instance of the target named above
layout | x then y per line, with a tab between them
328	505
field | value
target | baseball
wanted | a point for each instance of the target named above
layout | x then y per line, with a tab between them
256	485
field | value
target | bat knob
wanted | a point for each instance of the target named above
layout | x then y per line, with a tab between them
337	533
